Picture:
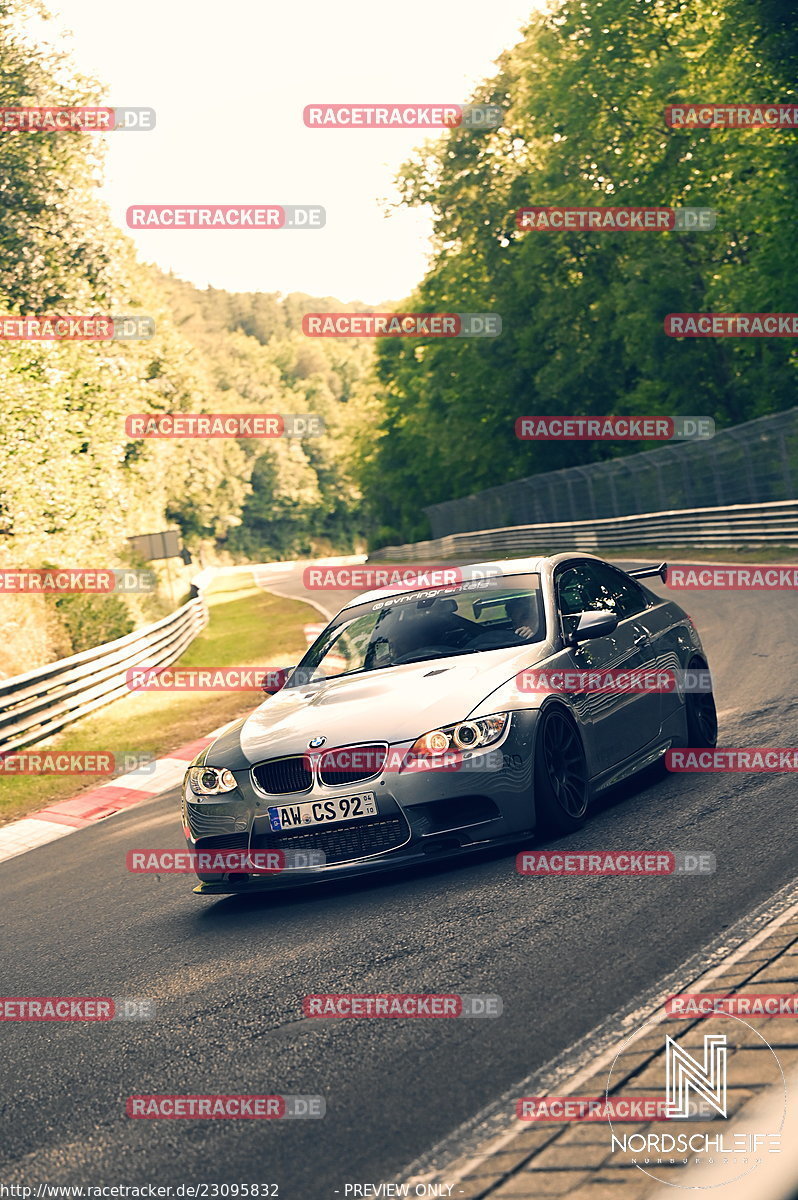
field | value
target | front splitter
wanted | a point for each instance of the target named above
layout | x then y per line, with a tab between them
350	870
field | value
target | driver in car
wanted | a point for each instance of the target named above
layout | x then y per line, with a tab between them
521	612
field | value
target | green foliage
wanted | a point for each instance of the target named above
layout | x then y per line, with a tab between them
73	486
256	359
90	620
583	95
53	240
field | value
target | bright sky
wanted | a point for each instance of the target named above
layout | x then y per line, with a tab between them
229	82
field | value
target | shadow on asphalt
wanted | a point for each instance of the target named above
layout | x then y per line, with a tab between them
287	899
290	897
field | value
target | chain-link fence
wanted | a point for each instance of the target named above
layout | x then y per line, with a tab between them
752	463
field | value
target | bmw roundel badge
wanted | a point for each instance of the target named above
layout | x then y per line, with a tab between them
315	742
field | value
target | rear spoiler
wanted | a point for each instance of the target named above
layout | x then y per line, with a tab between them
649	572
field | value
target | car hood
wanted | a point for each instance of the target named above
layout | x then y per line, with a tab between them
397	704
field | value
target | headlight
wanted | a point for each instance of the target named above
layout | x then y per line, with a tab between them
465	735
209	781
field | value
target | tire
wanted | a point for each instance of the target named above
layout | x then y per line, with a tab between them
701	718
562	791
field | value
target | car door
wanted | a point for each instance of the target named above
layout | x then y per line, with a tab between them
623	723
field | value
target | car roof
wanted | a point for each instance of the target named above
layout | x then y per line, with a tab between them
504	566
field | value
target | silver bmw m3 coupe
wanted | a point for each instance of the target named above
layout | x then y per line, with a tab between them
431	721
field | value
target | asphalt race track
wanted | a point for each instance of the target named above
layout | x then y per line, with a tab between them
228	974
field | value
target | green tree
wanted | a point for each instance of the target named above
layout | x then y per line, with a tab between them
583	95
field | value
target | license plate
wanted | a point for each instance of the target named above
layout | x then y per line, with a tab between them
323	812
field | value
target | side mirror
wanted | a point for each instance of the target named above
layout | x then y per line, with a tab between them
274	681
592	625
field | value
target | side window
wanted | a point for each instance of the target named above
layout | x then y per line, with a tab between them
577	592
589	586
628	598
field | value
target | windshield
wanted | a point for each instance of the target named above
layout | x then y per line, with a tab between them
486	614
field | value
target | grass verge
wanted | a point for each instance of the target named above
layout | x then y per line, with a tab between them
247	627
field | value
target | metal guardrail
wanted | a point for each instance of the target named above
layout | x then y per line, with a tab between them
732	526
36	705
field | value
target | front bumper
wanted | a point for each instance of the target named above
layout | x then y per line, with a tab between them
423	814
